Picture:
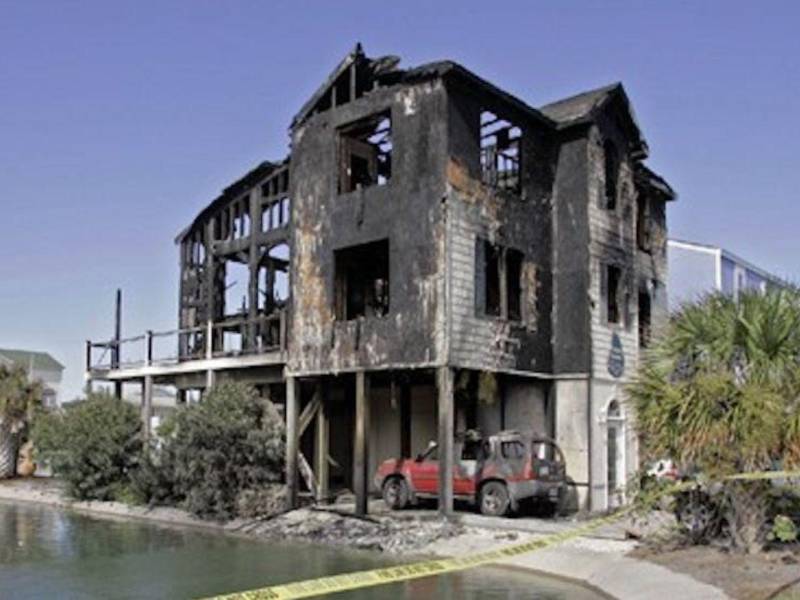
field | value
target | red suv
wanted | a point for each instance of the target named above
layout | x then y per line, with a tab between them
496	472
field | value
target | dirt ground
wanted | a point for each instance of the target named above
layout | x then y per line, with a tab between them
744	577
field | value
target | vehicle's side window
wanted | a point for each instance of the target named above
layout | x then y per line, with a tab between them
487	449
512	450
471	451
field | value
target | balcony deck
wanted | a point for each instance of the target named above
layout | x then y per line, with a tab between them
233	343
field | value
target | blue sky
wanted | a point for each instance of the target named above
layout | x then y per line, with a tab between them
119	121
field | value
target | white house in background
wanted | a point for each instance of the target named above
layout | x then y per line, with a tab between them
39	366
697	269
164	402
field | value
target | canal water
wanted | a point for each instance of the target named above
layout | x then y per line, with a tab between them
52	553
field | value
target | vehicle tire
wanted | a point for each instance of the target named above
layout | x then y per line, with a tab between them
396	493
494	500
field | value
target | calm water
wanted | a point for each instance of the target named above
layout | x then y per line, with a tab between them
52	553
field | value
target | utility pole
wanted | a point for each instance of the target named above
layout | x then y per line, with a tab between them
117	337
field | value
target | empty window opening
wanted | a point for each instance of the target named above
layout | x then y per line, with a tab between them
611	160
237	277
275	214
500	153
231	342
493	302
273	279
365	153
643	221
362	281
644	319
244	224
502	275
514	284
279	257
285	211
613	285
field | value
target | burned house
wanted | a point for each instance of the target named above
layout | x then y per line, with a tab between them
434	255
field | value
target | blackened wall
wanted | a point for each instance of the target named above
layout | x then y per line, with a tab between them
522	222
406	211
571	313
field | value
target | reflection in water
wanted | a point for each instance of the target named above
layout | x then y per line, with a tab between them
51	553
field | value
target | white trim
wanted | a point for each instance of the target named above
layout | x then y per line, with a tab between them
622	434
718	270
692	246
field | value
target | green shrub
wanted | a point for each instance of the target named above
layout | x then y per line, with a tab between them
214	451
783	530
94	445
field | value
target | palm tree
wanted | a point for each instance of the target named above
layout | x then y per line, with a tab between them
19	397
719	391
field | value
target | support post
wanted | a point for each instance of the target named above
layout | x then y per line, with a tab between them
446	459
147	406
322	443
210	375
361	446
292	402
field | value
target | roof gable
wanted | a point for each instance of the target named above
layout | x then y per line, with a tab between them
584	108
40	361
350	79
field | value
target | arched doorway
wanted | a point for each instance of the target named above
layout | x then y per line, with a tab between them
615	454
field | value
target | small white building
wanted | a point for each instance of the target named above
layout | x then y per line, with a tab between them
39	366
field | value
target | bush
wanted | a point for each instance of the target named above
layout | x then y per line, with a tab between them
94	445
211	453
718	391
19	400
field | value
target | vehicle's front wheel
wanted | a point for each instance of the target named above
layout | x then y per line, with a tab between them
396	493
494	500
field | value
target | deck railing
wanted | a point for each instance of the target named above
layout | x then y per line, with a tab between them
235	335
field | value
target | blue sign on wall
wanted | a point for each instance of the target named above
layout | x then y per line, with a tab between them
616	357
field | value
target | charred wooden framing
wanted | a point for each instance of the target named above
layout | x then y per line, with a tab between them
434	255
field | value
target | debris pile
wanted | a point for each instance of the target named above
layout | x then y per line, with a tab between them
383	534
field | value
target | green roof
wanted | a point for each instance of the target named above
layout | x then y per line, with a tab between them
41	361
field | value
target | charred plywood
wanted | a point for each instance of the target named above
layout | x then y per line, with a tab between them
499	245
405	212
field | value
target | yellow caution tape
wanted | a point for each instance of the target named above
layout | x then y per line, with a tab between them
373	577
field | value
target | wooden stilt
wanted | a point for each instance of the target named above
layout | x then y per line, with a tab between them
322	444
147	405
446	458
292	402
361	447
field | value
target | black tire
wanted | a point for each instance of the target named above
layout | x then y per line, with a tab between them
395	493
494	500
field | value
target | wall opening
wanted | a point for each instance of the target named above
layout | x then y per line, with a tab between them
237	277
500	153
362	281
643	234
500	270
645	316
514	284
615	454
365	153
611	168
613	288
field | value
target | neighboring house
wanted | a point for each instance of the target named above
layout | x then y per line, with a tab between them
435	254
39	366
696	269
164	403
